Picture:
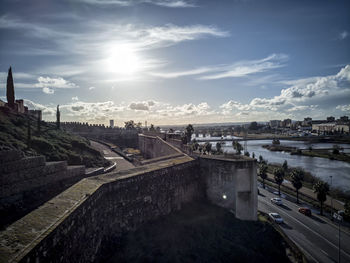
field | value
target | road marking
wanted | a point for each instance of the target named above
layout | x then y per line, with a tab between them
324	252
336	247
305	252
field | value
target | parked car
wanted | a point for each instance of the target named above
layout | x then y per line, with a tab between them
276	218
304	210
276	201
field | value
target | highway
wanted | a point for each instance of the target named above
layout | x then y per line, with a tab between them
316	236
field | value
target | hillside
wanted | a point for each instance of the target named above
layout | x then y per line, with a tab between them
55	145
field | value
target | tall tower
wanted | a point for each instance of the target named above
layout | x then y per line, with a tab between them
10	90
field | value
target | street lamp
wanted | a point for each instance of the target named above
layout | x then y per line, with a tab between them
331	176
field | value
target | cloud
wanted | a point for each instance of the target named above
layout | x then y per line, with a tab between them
59	83
125	3
345	108
75	98
46	110
92	88
239	69
343	35
139	106
48	90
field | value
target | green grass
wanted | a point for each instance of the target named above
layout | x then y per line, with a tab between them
201	232
55	145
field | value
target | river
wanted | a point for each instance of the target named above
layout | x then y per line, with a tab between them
320	167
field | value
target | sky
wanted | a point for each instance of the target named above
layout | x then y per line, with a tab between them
178	61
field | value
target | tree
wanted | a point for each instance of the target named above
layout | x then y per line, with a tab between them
207	147
279	175
29	134
285	166
253	125
263	172
246	154
10	90
218	147
58	118
322	189
129	125
152	128
38	124
253	155
237	146
261	159
297	177
188	132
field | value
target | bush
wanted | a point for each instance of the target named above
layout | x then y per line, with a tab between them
41	145
74	159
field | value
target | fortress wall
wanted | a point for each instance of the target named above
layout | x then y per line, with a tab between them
26	182
120	137
155	147
96	211
231	183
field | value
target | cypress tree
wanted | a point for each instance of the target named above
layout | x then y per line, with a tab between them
10	90
58	117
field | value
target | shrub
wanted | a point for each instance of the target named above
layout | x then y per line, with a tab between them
41	145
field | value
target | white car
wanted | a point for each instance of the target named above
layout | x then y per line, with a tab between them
276	201
276	218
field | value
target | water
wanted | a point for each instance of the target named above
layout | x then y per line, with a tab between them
320	167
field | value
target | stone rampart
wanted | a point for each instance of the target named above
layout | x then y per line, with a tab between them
75	225
231	183
155	147
26	182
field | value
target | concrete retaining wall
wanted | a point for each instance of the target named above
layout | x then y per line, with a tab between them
231	183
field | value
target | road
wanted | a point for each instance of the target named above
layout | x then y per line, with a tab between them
108	154
316	236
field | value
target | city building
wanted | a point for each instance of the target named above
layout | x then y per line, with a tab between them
111	123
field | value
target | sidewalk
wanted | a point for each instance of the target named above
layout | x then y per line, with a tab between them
337	205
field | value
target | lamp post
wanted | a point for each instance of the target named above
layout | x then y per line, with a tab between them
331	176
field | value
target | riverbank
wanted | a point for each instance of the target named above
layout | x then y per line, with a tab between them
308	183
331	153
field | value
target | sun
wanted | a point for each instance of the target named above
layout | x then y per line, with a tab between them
123	60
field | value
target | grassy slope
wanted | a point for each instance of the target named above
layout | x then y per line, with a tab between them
55	145
201	232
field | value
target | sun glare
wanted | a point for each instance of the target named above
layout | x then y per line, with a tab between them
123	60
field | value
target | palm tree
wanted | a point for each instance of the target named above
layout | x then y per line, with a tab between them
237	146
278	174
208	147
263	172
285	166
322	189
218	147
297	177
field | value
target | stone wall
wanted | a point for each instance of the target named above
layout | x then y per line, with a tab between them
155	147
120	137
28	182
75	225
231	183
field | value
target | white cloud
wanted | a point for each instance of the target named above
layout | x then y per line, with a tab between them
75	98
48	90
239	69
165	3
345	108
92	88
59	83
343	35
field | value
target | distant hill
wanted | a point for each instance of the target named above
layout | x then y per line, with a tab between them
55	145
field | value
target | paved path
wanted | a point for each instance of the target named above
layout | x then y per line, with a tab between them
122	164
316	237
